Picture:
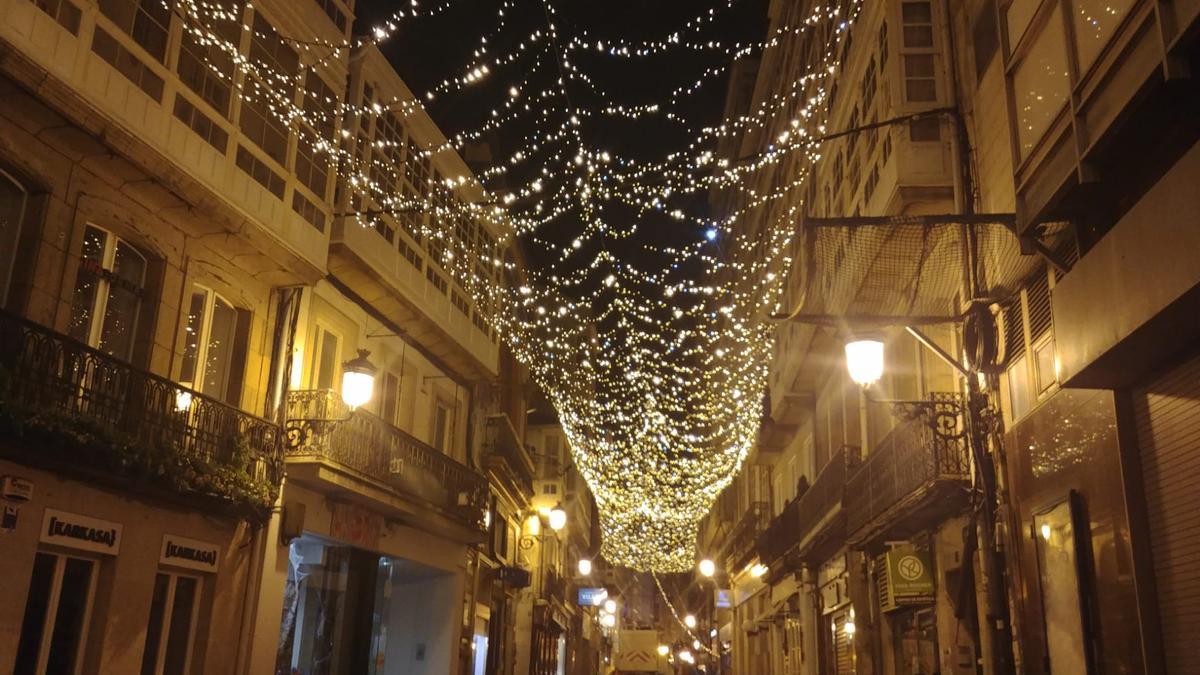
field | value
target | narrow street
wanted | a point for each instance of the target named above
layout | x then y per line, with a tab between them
534	337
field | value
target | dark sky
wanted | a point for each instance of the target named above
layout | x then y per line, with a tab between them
426	50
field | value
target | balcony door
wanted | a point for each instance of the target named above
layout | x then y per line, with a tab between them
13	200
327	359
213	350
109	287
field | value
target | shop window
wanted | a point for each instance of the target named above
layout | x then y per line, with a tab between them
214	347
327	358
1041	83
57	612
171	631
1063	603
13	202
107	300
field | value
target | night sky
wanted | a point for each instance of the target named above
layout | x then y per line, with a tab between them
428	49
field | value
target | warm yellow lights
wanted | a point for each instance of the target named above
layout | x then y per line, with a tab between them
533	525
557	518
689	621
358	380
663	650
585	567
707	567
864	360
610	606
758	570
608	620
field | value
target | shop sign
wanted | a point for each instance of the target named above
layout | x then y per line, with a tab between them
721	598
356	525
592	597
189	553
909	577
75	531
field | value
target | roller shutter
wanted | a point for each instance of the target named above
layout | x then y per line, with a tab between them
1167	412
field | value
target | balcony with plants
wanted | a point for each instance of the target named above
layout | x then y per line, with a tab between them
76	410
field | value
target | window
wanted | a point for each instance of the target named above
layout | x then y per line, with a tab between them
205	128
261	119
1041	83
441	427
13	199
57	612
918	24
1019	393
108	293
173	615
1045	365
309	211
883	46
1063	598
213	354
63	11
925	129
327	357
206	66
1095	21
335	14
125	62
920	80
260	172
146	21
985	37
390	399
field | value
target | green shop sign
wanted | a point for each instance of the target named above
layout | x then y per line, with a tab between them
909	574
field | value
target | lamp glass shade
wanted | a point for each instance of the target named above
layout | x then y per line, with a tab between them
689	621
708	567
358	380
608	620
610	606
558	518
585	567
864	360
663	650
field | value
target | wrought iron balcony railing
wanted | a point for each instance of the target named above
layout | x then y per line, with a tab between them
744	535
84	410
801	516
320	426
924	452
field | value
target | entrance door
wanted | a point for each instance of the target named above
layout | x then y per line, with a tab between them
914	632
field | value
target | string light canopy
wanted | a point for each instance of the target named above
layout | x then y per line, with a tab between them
656	369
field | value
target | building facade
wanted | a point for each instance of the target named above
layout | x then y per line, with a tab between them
1071	126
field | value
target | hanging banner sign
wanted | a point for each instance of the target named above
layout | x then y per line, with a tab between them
592	597
75	531
189	553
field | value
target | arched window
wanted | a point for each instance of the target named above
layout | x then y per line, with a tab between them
108	293
13	200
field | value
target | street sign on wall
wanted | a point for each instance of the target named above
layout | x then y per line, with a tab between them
908	572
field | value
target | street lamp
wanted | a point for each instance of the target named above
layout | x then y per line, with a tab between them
689	621
864	360
358	380
585	567
557	518
608	620
708	567
758	570
610	606
663	650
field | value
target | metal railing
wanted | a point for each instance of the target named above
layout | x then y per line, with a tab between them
60	384
321	426
502	441
744	535
905	465
804	513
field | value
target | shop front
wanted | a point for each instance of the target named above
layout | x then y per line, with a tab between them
837	627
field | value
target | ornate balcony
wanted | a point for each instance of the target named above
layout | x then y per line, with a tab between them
358	455
808	516
76	410
744	535
905	479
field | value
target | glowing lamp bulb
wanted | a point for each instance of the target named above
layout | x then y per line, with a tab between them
608	620
663	650
689	621
585	567
708	567
710	234
864	360
758	570
610	606
558	518
358	380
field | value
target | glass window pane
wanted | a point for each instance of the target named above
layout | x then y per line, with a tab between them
219	356
391	396
87	283
327	360
1019	394
918	36
35	614
192	336
1054	533
154	627
1047	373
1095	21
120	320
917	12
1041	83
1017	15
73	600
12	210
180	636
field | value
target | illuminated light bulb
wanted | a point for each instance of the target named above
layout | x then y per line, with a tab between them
183	401
848	628
608	620
696	645
358	380
1045	531
707	567
864	361
663	650
585	567
610	606
689	621
758	570
557	518
710	234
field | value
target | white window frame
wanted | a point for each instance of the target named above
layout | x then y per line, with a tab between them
169	607
210	302
447	446
6	274
320	328
52	603
104	287
933	50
